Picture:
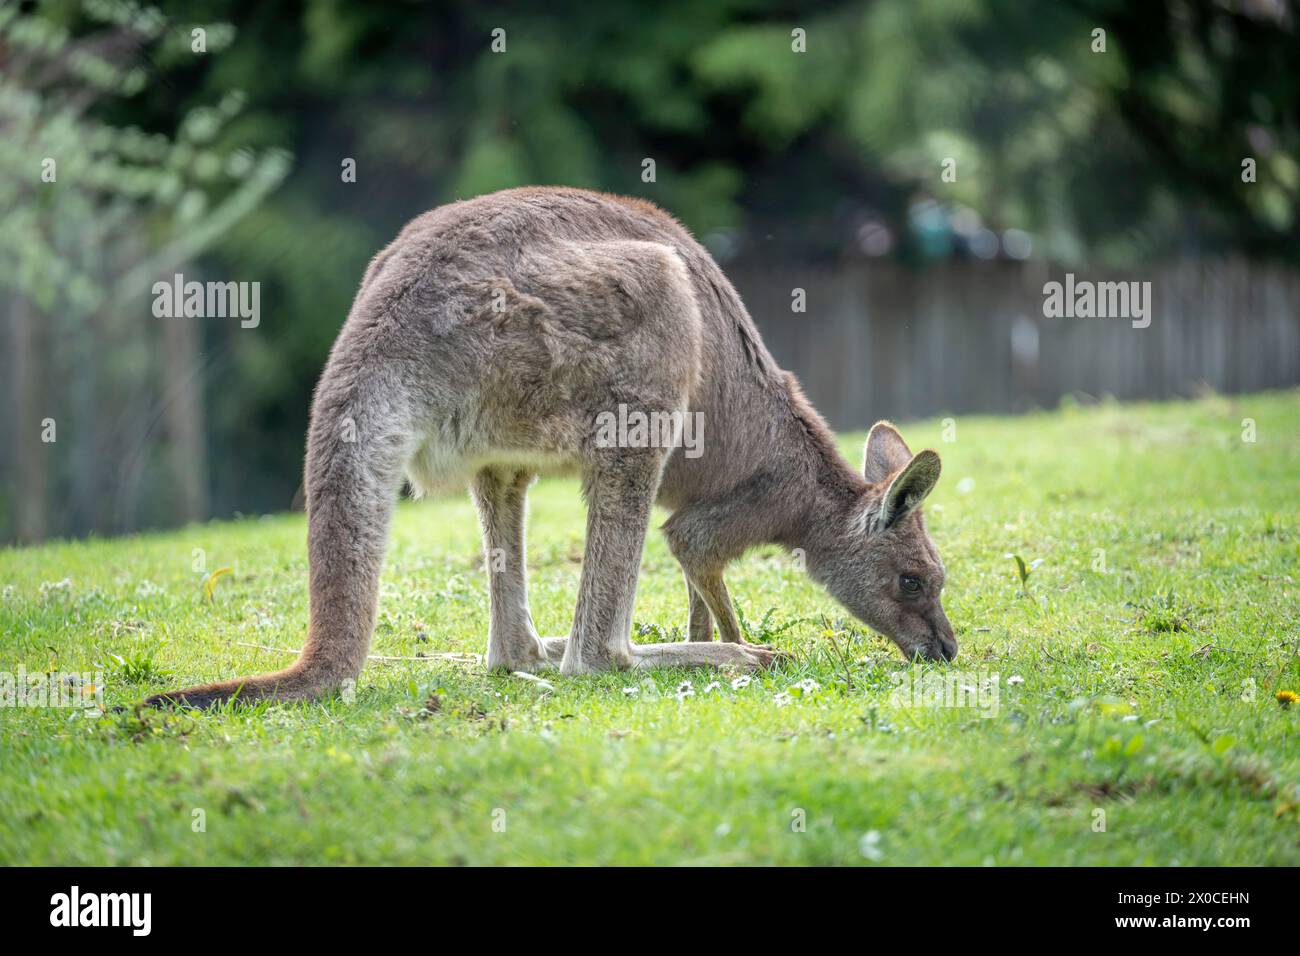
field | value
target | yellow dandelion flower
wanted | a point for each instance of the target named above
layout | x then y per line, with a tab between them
1287	697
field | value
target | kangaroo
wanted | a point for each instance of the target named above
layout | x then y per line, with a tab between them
484	346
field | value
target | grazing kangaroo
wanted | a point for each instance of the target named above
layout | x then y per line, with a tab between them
489	342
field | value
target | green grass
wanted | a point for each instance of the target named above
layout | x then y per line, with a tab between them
1126	693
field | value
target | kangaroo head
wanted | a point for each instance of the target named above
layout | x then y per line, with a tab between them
883	566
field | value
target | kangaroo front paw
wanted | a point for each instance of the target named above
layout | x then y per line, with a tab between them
527	653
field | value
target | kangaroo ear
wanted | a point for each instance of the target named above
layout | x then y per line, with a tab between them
910	488
886	453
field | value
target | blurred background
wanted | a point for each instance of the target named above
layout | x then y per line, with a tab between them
917	169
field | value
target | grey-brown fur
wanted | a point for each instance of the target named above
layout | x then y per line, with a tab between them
482	346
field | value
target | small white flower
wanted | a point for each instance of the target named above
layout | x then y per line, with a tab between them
684	690
62	588
741	681
711	687
631	691
1015	679
782	699
809	685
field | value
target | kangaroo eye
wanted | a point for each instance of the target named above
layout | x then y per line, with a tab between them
909	584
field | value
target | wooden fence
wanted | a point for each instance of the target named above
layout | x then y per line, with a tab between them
881	341
877	341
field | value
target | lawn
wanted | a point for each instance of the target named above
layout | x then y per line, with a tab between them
1116	705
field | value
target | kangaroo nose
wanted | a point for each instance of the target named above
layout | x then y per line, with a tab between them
938	648
946	642
944	639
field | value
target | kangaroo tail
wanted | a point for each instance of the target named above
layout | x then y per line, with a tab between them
357	447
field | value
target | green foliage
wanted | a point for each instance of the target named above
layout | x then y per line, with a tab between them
168	156
1023	571
94	212
1162	614
764	630
139	667
98	205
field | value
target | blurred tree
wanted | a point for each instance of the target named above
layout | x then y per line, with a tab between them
94	214
780	130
